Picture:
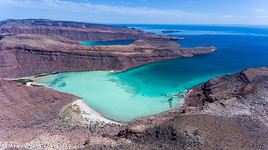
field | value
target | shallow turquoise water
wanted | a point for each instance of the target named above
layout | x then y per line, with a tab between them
150	89
103	43
105	92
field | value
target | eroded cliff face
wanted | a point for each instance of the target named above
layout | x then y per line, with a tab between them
74	30
31	54
36	46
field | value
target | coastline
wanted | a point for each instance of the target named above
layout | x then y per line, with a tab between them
193	122
177	97
79	113
76	113
88	115
225	112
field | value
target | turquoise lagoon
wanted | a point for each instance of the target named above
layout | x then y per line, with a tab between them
153	88
104	43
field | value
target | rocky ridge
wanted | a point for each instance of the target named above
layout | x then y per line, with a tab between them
77	31
32	47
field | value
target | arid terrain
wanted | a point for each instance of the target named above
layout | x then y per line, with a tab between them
32	47
228	112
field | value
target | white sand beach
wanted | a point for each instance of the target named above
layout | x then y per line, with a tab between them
81	114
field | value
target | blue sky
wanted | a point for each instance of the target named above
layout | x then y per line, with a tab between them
141	11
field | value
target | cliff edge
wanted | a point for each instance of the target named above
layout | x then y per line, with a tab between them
32	47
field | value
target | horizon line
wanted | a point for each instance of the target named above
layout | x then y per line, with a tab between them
106	23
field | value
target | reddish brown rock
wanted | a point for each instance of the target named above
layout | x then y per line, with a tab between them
35	46
30	54
29	119
228	112
231	115
23	106
27	112
74	30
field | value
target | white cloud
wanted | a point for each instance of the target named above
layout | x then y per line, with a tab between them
124	14
258	10
89	9
228	16
234	16
262	17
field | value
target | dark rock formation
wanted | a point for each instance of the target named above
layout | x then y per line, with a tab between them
171	31
31	54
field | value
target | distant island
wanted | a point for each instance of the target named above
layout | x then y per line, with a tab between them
171	31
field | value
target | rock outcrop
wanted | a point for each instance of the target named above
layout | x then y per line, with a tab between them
36	46
77	31
32	54
27	113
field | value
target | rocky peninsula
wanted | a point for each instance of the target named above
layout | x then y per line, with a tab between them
32	47
77	31
228	112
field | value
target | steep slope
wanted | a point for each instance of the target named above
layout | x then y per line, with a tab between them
32	54
73	30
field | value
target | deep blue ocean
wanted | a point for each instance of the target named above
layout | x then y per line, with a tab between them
152	88
238	48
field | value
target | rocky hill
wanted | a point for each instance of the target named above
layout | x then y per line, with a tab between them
32	47
228	112
78	31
